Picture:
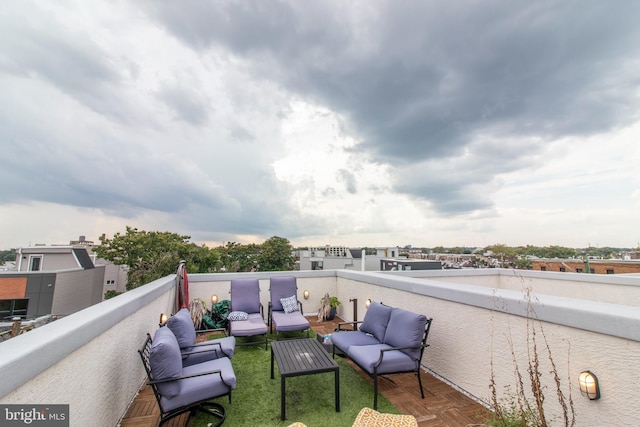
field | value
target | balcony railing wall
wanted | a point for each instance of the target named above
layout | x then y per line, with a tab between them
88	359
479	332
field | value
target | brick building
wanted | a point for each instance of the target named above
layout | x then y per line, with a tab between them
597	266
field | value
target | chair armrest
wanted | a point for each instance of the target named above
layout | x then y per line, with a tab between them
183	377
409	347
200	349
300	307
353	324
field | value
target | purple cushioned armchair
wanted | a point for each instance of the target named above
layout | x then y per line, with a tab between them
245	297
288	317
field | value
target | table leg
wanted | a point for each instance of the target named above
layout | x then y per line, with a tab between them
337	391
272	363
282	397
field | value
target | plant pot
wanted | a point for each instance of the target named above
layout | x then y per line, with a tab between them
332	313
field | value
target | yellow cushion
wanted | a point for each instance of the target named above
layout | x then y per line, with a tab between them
370	418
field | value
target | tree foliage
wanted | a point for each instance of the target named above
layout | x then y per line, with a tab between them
276	254
149	254
9	255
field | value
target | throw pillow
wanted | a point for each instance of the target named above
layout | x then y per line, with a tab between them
289	305
238	315
376	320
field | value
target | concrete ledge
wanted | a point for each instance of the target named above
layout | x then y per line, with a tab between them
609	319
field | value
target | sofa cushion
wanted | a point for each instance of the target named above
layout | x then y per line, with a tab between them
209	350
376	320
205	386
245	295
182	327
405	328
289	304
254	325
345	339
287	322
166	361
367	357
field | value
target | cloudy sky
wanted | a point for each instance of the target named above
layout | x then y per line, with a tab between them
352	123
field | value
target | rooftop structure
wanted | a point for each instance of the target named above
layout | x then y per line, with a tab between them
483	323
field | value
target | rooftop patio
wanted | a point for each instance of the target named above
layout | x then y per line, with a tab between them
482	327
442	406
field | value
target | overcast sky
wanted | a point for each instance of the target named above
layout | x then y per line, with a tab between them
357	123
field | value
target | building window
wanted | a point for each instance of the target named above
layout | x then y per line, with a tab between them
35	262
578	270
13	307
543	268
562	269
609	270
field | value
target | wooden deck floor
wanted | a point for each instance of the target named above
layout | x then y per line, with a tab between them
442	406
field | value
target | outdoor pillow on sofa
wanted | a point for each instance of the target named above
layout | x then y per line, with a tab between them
376	320
406	329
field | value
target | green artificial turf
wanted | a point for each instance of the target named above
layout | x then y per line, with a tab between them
309	400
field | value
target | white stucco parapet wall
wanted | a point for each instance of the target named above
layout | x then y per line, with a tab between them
28	355
605	318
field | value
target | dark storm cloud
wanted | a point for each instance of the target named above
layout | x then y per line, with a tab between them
418	81
45	50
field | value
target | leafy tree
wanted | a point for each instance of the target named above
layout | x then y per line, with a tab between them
235	257
276	254
9	255
523	263
149	254
202	259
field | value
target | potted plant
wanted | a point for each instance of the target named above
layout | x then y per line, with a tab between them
328	306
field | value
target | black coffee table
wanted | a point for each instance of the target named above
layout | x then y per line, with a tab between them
296	357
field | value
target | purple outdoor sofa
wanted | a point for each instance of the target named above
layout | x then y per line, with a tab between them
389	341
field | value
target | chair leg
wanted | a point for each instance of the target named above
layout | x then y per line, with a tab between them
216	410
375	391
420	382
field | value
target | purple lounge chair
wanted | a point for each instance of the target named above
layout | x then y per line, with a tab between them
285	310
246	318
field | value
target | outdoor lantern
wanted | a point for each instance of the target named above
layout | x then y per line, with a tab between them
214	299
368	303
589	385
163	319
306	294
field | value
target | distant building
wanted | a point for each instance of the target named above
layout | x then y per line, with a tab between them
595	266
58	280
397	264
341	257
